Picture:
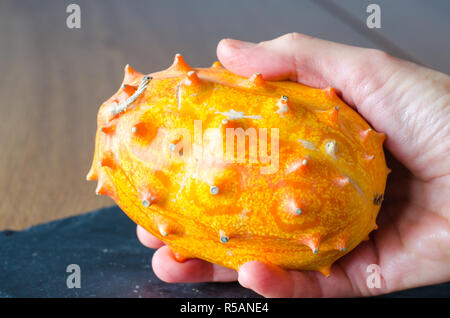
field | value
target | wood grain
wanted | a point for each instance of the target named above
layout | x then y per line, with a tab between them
55	78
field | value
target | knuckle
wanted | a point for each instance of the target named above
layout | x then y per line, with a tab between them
295	37
378	56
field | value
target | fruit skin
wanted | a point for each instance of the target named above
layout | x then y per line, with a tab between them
319	205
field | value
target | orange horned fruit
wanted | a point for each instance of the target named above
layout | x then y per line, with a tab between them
231	169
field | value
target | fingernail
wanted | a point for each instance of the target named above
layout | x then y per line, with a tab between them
241	45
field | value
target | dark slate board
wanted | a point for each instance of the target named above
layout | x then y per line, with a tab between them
113	263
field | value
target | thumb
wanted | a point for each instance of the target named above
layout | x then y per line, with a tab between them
307	60
386	91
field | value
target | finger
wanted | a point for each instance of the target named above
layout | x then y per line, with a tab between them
266	280
273	282
148	239
168	269
347	279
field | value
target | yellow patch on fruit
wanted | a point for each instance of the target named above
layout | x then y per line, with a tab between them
231	170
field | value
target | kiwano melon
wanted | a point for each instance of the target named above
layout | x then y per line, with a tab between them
231	169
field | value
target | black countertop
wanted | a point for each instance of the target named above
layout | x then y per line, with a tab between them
113	263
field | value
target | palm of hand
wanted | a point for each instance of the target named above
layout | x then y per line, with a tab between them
413	241
411	245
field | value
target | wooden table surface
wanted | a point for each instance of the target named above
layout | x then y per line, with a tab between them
53	79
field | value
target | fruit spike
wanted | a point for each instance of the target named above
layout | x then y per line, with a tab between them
342	181
256	80
100	190
128	89
223	237
130	75
331	148
179	64
283	104
180	257
312	242
298	165
140	128
147	202
378	199
92	175
104	188
148	197
325	270
109	128
331	93
192	78
381	137
162	228
365	134
214	190
341	242
108	160
228	213
330	117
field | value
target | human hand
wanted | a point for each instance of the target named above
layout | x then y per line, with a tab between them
411	104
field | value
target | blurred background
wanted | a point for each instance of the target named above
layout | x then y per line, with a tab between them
53	78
